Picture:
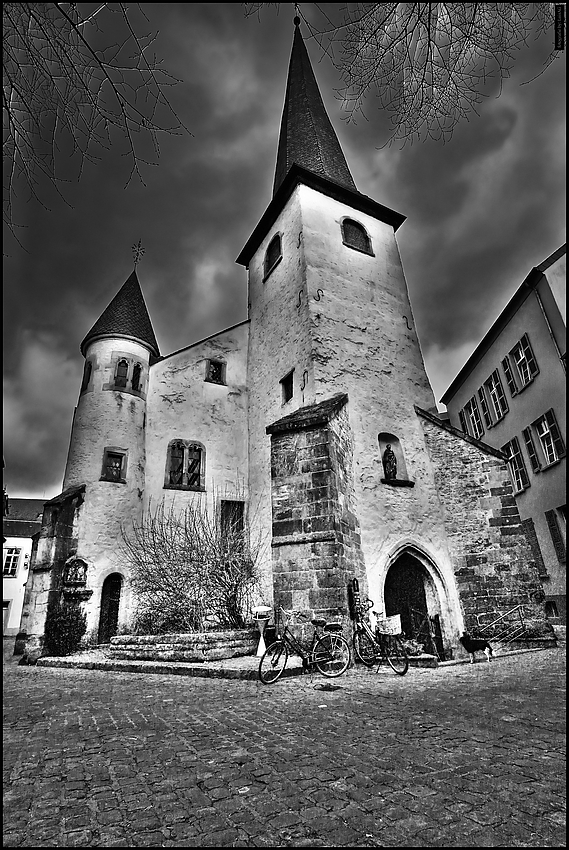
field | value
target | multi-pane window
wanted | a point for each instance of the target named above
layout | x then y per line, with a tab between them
185	465
11	561
549	437
273	256
215	372
484	407
512	386
522	355
473	421
114	466
354	235
496	395
520	478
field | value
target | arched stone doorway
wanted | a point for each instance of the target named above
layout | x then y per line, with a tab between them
410	591
110	601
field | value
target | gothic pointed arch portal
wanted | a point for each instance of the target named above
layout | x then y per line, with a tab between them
110	602
411	591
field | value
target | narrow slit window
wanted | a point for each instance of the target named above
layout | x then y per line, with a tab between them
87	372
287	387
136	373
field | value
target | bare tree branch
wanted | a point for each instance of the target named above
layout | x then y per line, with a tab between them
64	94
427	63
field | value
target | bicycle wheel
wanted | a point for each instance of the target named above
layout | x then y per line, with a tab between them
332	655
365	648
273	662
396	656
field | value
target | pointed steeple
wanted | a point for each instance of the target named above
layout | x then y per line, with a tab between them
307	137
126	316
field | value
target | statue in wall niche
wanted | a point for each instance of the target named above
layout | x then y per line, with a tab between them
389	463
76	571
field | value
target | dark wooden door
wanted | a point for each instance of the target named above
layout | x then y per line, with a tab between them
110	601
405	592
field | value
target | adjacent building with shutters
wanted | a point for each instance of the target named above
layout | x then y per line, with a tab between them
511	394
312	422
22	520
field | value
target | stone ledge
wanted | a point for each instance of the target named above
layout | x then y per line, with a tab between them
397	482
309	537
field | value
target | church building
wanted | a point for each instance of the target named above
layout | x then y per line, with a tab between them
314	417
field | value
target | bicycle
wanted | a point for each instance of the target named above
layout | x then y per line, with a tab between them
329	651
371	648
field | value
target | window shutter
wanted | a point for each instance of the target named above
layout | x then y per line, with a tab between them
531	450
519	461
526	347
484	406
509	376
556	537
462	421
531	537
555	435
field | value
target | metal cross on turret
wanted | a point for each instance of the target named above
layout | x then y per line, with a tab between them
138	252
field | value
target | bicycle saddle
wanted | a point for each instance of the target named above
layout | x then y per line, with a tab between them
333	627
318	623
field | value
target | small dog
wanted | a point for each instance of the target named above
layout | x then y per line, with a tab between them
473	645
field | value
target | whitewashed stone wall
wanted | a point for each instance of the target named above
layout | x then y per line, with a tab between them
183	405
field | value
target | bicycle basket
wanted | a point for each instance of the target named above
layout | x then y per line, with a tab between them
389	625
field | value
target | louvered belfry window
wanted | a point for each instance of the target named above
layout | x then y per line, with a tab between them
354	235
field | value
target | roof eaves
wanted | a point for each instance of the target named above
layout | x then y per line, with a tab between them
446	426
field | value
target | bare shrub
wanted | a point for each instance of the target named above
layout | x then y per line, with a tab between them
190	569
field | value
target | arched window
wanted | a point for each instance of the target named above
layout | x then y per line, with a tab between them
87	371
354	235
273	256
121	373
185	465
135	383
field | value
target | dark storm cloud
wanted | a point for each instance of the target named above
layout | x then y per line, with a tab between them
482	210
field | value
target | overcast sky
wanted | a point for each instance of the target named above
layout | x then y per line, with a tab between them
482	210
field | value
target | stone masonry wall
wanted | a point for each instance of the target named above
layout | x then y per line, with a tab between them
316	541
491	556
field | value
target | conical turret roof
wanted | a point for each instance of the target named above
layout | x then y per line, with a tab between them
126	316
307	137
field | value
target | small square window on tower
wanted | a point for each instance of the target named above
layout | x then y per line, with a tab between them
287	384
215	372
114	465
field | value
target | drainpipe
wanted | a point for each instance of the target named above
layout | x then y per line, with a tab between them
549	328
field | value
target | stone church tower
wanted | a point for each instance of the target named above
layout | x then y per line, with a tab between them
346	467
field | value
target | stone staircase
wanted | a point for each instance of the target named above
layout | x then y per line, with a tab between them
198	647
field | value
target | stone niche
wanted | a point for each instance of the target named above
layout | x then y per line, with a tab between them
316	544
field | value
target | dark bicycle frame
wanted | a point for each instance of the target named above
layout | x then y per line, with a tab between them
379	639
296	647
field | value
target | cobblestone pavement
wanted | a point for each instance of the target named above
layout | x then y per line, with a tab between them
467	756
